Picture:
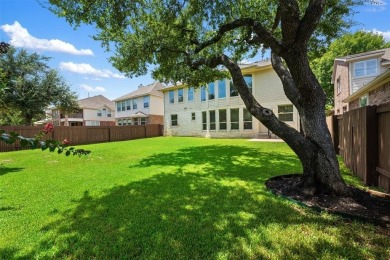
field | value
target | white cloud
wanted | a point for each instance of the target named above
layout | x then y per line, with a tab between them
92	89
20	37
377	6
84	68
386	35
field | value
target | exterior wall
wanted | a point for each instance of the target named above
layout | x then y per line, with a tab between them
354	104
357	83
267	89
380	95
342	73
156	119
156	105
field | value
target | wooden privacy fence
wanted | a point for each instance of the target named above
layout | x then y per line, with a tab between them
362	137
78	135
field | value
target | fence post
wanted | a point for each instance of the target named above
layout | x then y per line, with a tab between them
335	123
371	145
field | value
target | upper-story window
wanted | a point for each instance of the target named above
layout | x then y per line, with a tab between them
338	85
190	94
180	95
123	105
221	88
202	93
233	90
119	106
248	81
134	101
211	91
99	113
146	101
365	68
171	97
104	112
128	107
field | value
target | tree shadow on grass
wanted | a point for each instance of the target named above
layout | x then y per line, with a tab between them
191	213
5	170
226	161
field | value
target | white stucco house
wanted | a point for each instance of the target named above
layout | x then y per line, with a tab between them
216	110
141	107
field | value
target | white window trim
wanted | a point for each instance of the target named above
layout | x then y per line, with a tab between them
364	76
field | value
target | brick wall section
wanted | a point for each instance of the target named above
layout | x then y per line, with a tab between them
380	95
354	104
342	72
156	119
107	123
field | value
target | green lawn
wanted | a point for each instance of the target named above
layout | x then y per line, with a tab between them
167	198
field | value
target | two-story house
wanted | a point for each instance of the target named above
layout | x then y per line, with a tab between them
361	79
141	107
94	111
216	110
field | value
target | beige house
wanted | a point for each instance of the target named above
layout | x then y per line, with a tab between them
94	111
216	110
141	107
361	79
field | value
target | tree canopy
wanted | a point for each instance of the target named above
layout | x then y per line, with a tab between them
348	44
30	85
190	41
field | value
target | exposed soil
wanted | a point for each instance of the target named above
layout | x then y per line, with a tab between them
360	205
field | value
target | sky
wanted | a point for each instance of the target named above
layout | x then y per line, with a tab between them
84	64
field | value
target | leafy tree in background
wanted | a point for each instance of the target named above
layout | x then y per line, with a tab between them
348	44
30	86
190	41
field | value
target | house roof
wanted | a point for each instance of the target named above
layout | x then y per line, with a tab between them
246	68
373	84
152	89
385	53
96	102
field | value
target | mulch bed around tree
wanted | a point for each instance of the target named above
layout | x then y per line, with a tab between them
360	205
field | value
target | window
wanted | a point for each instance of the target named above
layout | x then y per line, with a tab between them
233	90
128	121
143	120
363	101
221	88
118	106
202	93
128	106
247	119
146	101
92	123
204	120
171	97
123	106
108	113
211	91
285	112
248	81
365	68
338	85
212	119
173	120
234	118
99	113
134	101
136	121
104	112
222	119
190	94
180	95
193	116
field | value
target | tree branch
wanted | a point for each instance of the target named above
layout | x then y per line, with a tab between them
290	15
284	74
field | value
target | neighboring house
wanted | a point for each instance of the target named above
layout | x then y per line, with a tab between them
94	111
141	107
361	79
216	110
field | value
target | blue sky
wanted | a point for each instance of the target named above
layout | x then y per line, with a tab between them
82	61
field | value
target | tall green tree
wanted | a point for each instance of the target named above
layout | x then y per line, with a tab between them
190	41
348	44
31	85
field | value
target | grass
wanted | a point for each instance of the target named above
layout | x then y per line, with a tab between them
167	198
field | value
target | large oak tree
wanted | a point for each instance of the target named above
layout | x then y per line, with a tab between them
29	85
190	41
